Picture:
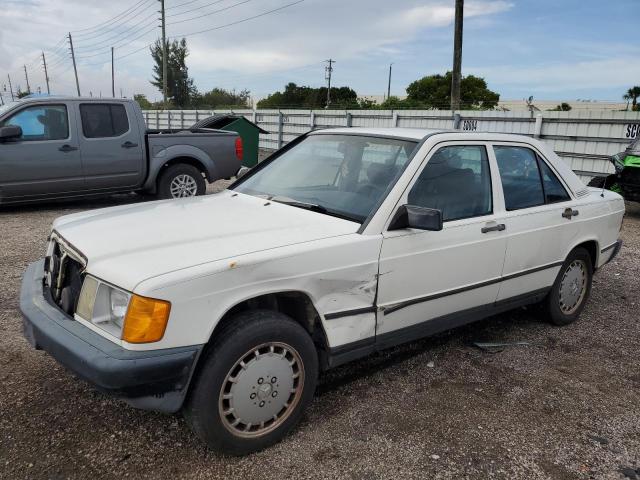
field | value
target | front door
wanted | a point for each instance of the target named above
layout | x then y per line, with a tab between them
45	160
112	149
432	281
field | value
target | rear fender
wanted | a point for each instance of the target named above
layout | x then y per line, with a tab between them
163	156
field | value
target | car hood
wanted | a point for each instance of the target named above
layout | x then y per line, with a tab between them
128	244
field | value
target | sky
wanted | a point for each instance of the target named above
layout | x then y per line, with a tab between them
550	49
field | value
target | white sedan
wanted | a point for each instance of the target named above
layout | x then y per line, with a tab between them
344	242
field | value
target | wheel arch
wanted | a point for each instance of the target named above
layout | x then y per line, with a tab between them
592	246
295	304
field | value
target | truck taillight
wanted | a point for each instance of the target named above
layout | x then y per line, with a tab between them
239	148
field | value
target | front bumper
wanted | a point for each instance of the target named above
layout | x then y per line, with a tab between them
153	380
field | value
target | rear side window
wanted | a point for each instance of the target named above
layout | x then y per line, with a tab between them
102	120
553	190
41	122
520	176
456	181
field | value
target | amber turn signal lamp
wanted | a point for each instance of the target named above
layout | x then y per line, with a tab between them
146	320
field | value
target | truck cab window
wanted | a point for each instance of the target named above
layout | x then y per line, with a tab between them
41	122
102	120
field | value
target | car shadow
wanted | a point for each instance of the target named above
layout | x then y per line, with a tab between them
492	328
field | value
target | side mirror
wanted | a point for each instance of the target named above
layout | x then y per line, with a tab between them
420	218
10	132
242	172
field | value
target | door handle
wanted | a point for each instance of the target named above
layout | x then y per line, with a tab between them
570	212
494	228
67	148
128	144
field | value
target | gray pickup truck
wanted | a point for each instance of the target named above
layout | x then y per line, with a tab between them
57	147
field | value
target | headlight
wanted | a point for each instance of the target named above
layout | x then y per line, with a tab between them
130	317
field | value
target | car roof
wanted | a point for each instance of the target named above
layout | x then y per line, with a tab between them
392	132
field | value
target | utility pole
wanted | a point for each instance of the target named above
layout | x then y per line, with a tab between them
46	75
113	81
1	99
10	87
75	68
389	83
328	71
26	76
456	77
164	54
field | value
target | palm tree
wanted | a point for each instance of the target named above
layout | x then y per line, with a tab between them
632	94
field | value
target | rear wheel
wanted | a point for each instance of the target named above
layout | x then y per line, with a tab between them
181	180
571	289
254	384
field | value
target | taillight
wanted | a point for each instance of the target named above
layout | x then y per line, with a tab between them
239	148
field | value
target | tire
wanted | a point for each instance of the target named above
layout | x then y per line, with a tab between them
571	289
181	180
259	382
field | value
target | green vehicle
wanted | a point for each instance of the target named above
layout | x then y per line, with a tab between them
626	180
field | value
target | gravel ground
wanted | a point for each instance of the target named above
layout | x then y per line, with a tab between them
566	406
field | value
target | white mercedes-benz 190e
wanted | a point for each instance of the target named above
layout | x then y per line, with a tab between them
344	242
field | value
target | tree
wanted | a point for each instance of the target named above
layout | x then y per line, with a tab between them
563	107
221	98
142	100
434	91
632	95
180	88
295	96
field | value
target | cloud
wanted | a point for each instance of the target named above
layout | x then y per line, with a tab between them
564	77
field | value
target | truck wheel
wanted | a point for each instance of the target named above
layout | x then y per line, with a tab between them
181	180
254	383
571	289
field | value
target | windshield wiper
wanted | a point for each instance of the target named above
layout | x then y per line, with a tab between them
314	207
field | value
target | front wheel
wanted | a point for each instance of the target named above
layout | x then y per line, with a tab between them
571	289
254	384
181	180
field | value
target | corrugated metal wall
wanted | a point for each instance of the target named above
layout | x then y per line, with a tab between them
584	139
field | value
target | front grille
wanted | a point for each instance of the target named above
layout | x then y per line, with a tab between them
64	276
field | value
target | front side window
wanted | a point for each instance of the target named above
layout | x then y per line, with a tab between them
520	177
456	181
345	175
41	122
102	120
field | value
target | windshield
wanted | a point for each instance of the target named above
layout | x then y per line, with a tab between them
344	175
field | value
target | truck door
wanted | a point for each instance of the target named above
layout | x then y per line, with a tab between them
112	145
46	159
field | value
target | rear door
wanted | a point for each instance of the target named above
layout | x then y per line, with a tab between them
112	150
46	159
538	226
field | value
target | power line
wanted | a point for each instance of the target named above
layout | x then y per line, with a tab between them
190	34
110	21
117	26
132	30
183	4
195	9
175	37
210	13
150	26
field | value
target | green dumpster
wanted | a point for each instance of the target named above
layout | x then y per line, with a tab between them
248	131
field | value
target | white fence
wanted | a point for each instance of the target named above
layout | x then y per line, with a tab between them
584	139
